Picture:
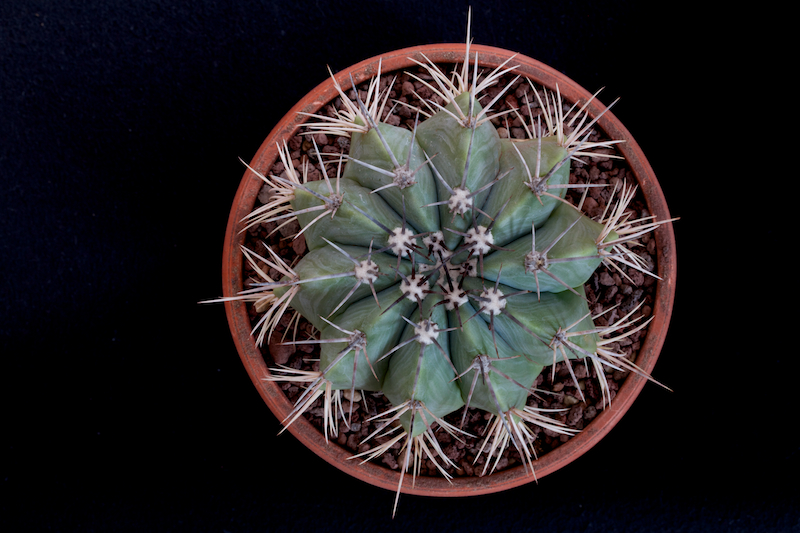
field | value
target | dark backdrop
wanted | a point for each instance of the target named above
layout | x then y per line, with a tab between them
125	406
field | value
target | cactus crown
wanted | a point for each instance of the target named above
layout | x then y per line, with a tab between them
445	267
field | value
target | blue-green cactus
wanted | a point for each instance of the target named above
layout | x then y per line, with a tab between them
445	268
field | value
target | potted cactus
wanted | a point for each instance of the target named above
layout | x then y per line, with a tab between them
433	269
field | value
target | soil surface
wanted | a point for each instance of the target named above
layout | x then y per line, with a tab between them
607	288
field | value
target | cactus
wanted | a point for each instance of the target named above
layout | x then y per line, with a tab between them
445	266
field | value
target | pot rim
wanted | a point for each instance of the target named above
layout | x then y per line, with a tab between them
375	474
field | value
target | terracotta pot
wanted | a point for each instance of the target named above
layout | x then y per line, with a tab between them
374	473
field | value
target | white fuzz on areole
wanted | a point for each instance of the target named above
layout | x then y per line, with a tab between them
334	202
404	177
535	261
482	364
460	202
493	301
414	288
538	186
367	271
479	240
401	240
468	269
454	298
358	340
434	242
559	338
426	332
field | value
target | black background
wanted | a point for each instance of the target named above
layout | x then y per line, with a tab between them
125	405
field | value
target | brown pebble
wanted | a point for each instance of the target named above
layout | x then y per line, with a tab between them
393	120
570	400
281	352
591	207
606	279
575	414
299	245
351	395
511	101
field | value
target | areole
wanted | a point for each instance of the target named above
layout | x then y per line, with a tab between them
250	353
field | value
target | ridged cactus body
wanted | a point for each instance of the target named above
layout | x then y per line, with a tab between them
524	207
451	218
